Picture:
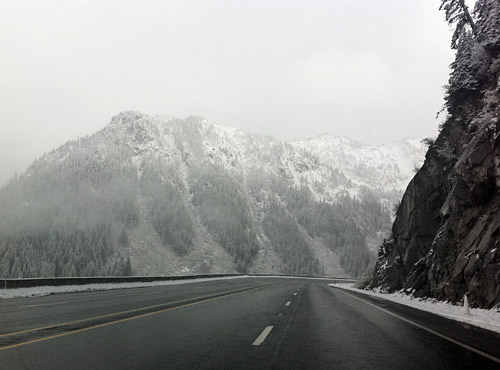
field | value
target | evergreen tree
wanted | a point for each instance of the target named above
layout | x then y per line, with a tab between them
487	14
224	212
456	12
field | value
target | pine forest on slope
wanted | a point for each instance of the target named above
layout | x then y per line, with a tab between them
159	195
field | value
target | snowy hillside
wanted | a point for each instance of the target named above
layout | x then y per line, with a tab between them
336	165
160	195
384	168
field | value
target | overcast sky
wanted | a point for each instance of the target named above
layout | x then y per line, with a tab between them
372	70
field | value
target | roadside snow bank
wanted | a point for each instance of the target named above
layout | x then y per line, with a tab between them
47	290
487	319
50	289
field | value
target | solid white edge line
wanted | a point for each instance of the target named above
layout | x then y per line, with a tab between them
43	304
288	303
454	341
262	337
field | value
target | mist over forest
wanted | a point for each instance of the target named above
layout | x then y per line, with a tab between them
150	195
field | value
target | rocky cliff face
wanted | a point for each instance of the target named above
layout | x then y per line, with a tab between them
446	237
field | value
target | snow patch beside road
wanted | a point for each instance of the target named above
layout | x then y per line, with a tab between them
47	290
487	319
50	289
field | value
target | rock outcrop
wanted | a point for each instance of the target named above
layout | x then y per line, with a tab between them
446	237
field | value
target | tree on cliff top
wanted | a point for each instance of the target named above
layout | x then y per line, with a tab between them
487	15
484	23
457	12
475	40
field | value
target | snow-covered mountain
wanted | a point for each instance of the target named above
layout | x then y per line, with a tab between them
339	165
160	195
383	168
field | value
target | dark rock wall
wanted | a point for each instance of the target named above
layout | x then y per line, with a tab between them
446	237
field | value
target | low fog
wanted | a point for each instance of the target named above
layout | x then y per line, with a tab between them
368	70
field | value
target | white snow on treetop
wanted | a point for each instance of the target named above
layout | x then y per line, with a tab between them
337	165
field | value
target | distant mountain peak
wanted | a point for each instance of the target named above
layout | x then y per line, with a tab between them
127	117
159	195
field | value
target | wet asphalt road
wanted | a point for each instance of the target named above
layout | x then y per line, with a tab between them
244	323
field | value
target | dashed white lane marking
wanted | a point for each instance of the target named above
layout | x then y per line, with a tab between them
294	293
43	304
288	303
262	337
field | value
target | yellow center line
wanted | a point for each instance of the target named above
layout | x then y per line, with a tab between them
201	299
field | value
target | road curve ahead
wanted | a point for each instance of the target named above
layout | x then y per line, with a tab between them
245	323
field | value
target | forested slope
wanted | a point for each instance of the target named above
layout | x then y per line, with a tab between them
159	195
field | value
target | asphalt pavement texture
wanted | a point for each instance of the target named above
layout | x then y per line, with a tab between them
243	323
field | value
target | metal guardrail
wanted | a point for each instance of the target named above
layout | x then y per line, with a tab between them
58	281
343	281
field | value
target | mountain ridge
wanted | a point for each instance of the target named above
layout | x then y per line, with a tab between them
181	196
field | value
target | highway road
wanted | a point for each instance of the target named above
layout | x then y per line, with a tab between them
244	323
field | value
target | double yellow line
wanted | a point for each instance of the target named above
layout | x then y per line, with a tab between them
179	304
